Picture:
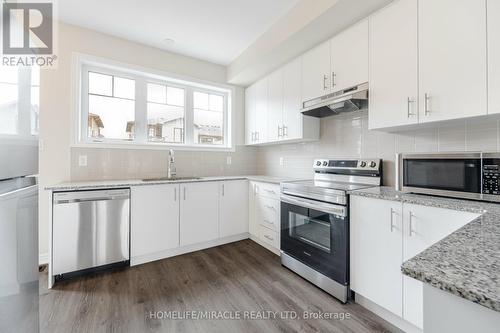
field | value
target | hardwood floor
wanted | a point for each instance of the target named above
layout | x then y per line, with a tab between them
237	277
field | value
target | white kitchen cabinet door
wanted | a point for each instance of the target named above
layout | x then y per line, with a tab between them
316	72
292	117
250	114
349	57
154	218
493	56
375	251
393	66
261	107
423	226
253	225
199	212
452	59
275	106
233	208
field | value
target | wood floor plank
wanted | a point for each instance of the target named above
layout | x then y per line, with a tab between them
236	277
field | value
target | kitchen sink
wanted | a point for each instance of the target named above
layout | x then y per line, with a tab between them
169	179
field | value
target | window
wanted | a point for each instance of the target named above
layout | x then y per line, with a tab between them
111	103
19	100
130	107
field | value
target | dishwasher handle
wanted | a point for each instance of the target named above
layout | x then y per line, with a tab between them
88	196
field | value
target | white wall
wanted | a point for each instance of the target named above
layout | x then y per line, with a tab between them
57	158
348	136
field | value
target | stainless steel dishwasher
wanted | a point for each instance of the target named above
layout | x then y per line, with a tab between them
91	231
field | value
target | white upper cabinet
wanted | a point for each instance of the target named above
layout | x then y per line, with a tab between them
261	109
493	56
275	106
452	59
393	66
292	117
349	57
316	72
233	208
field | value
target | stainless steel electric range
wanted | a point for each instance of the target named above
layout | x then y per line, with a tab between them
315	221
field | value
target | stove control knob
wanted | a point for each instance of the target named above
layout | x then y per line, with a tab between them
325	163
362	164
373	164
318	163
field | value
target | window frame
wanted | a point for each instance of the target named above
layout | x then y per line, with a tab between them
142	76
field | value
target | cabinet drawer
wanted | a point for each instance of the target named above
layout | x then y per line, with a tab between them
269	237
268	212
267	190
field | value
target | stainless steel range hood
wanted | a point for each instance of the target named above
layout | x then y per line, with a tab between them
347	100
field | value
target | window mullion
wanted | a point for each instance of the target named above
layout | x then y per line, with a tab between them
141	111
189	131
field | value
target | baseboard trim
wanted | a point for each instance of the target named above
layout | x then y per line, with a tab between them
43	259
138	260
386	315
267	246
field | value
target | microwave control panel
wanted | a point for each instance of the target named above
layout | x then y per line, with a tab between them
491	175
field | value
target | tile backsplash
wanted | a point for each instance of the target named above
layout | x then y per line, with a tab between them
135	164
348	136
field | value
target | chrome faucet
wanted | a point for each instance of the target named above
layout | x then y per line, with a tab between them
171	171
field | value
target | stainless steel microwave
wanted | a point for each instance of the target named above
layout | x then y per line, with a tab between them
471	175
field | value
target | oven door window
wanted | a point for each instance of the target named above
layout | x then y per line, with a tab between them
314	231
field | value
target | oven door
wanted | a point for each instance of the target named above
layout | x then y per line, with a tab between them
442	174
317	234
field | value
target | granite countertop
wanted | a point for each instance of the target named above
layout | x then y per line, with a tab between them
101	184
466	262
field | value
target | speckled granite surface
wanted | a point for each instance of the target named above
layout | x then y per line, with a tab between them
102	184
465	263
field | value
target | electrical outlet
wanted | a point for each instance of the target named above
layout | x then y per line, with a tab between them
228	160
282	161
82	160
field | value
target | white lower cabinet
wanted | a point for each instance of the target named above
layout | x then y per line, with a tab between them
199	212
264	214
233	209
154	219
384	234
171	219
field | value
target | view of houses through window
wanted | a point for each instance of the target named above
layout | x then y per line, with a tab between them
116	110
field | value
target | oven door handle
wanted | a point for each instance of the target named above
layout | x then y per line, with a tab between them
319	206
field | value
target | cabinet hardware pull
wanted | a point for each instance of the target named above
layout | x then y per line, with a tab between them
269	191
268	222
222	189
333	79
253	137
392	219
269	207
280	131
269	237
325	77
427	98
257	136
408	102
411	224
184	193
175	193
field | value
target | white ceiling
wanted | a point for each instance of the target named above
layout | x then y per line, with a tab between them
213	30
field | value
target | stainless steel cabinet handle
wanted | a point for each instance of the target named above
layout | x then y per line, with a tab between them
408	102
269	237
280	131
325	77
269	191
222	189
411	232
392	219
426	104
333	79
269	207
268	222
175	193
253	139
257	135
184	193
